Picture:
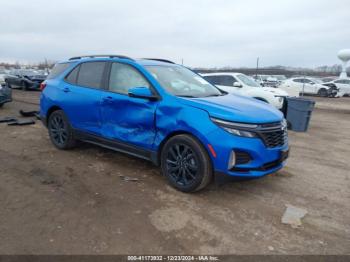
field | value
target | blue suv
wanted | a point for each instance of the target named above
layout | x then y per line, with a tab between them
163	112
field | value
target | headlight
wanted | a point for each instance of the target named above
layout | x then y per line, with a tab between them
238	129
280	98
284	124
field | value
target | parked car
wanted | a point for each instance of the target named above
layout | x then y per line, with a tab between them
25	79
280	79
165	113
310	86
241	84
343	84
5	92
266	80
328	79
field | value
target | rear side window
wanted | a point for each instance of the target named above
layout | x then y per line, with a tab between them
90	74
222	80
57	70
298	80
226	80
211	79
72	77
343	81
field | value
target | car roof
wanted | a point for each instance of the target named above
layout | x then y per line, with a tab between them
141	61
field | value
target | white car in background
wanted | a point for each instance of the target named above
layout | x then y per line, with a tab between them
310	86
266	80
343	84
242	84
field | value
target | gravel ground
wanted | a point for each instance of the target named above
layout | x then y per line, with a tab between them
75	202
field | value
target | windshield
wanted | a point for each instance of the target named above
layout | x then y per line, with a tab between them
316	80
181	81
248	81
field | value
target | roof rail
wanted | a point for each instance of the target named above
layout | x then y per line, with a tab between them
160	60
92	56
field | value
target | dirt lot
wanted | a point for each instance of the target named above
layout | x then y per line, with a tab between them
74	202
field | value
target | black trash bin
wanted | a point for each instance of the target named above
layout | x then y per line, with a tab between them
299	111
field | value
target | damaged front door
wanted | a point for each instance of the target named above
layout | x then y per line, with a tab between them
127	119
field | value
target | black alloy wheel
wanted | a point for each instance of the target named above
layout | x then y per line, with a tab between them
323	92
186	164
60	132
182	164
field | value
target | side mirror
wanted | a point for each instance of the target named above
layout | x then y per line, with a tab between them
236	84
142	92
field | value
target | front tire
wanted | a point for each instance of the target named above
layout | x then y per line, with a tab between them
24	86
8	85
60	130
322	92
186	164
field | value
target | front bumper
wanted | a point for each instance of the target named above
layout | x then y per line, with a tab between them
33	85
263	160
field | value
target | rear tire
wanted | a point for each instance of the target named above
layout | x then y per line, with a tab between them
60	130
186	164
1	105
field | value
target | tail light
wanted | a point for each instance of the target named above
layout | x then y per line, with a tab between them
42	86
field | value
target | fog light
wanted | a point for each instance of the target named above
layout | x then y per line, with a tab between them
232	160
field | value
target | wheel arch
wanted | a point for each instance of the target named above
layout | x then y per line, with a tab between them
50	111
176	133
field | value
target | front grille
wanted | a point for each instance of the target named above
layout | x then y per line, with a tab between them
274	138
273	134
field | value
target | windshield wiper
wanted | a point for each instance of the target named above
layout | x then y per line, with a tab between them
214	95
188	96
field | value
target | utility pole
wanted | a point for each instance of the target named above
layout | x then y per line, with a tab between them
47	66
257	68
182	61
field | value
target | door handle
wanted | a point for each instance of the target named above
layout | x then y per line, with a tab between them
108	99
66	90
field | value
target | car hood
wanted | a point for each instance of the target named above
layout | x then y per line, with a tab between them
236	108
276	91
326	85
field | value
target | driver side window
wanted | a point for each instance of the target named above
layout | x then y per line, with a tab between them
123	77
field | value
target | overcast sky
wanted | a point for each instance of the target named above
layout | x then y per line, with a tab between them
202	32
